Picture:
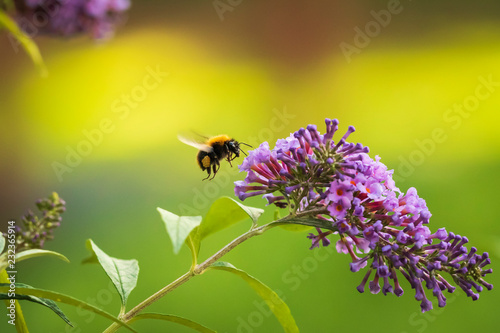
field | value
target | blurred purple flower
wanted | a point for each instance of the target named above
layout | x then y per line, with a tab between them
71	17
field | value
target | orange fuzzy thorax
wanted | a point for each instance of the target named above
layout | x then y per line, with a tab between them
220	139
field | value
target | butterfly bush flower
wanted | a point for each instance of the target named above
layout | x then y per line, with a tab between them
34	231
71	17
351	195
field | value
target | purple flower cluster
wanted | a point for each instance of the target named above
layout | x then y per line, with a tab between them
355	196
34	231
71	17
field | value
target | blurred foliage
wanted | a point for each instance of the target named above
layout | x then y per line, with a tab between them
17	36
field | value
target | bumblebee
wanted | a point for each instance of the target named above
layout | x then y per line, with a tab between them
213	150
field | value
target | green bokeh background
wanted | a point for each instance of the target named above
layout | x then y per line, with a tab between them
264	71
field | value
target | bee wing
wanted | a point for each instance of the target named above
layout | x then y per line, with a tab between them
195	144
202	136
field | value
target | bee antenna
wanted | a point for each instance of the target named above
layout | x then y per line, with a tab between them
246	144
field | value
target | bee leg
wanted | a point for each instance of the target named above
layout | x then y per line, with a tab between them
231	158
215	169
208	171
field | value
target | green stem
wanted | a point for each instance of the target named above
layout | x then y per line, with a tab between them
201	268
148	301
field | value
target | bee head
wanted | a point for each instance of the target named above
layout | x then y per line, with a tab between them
234	147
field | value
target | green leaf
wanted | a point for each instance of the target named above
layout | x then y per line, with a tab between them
275	303
43	301
178	227
225	212
277	214
33	253
295	227
123	273
3	256
305	221
3	261
290	226
193	242
58	297
174	319
26	42
2	242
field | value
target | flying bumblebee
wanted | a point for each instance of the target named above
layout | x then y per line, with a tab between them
213	150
